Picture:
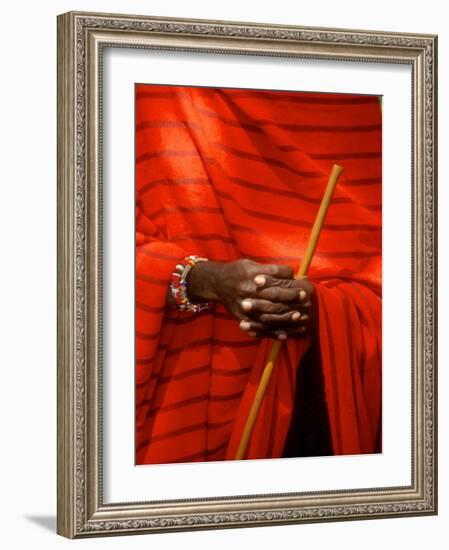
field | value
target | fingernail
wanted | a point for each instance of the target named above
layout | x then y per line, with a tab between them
302	294
296	316
246	305
251	333
259	280
282	336
245	325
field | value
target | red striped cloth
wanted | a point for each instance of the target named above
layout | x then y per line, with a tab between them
228	174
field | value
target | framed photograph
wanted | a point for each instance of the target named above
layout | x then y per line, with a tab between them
246	274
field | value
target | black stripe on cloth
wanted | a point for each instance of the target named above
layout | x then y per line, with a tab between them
171	181
167	153
204	455
149	309
316	99
147	124
271	161
190	401
362	155
295	222
257	125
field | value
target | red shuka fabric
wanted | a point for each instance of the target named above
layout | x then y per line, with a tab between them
228	174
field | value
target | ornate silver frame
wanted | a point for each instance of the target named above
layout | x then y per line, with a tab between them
81	37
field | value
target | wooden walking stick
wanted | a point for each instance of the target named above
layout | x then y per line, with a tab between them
276	346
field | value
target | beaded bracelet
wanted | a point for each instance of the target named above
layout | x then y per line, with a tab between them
178	285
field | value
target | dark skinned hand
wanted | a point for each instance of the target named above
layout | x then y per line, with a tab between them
267	299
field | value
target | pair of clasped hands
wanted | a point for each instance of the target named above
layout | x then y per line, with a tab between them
266	298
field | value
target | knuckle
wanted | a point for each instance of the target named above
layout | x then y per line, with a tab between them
272	269
240	289
269	281
292	295
245	261
246	265
273	307
275	293
266	318
285	295
244	287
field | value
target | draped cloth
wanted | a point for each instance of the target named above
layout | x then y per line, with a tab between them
228	174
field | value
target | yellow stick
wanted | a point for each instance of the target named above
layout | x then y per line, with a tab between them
276	346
